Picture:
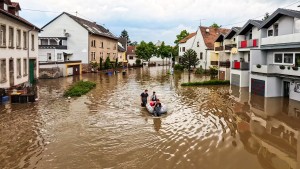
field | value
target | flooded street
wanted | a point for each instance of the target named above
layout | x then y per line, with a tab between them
205	128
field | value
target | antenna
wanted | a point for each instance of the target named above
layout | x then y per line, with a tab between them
201	21
76	13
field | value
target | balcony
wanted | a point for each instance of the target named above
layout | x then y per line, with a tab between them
275	70
240	65
220	48
225	64
282	39
214	63
229	47
53	47
248	44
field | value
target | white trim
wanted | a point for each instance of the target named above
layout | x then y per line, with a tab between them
282	63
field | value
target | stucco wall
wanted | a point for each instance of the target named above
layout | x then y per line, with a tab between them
14	53
258	57
285	25
78	40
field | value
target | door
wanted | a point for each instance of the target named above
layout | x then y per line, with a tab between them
76	70
286	89
31	71
221	75
11	72
235	80
258	87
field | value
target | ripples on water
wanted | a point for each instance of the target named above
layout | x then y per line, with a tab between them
206	127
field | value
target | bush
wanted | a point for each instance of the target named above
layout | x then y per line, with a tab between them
288	68
213	71
207	83
295	68
282	67
138	62
178	67
107	64
199	71
80	88
258	66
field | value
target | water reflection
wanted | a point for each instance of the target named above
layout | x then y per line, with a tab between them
206	127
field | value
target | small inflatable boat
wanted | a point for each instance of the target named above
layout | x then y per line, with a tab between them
150	109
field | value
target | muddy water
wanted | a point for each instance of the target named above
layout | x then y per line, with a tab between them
206	127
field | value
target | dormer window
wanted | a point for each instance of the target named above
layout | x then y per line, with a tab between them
250	35
270	32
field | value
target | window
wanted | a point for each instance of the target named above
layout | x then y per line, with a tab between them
25	66
3	71
276	30
32	42
115	46
108	45
297	60
183	49
101	45
201	56
278	58
93	43
130	57
288	58
297	25
93	56
44	41
180	49
49	58
198	44
2	35
19	67
11	37
233	39
19	38
24	40
270	32
59	56
108	55
250	35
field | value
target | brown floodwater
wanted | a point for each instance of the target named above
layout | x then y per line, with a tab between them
205	128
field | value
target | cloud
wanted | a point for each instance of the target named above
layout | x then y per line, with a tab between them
153	20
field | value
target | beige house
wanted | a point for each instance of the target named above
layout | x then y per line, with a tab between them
18	47
104	47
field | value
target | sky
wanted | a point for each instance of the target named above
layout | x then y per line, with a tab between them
153	20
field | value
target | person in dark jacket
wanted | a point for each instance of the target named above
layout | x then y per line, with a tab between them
157	108
144	98
154	97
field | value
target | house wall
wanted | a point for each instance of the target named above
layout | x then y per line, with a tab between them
258	57
43	55
285	25
131	61
273	85
110	47
15	53
187	45
78	42
205	61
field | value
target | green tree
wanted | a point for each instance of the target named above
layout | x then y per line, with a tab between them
181	36
267	15
215	25
152	49
133	43
107	64
124	34
142	51
189	59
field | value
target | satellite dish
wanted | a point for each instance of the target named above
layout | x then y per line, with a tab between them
207	30
67	35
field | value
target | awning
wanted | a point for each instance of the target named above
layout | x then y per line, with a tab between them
67	52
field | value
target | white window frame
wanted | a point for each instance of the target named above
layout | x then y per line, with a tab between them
49	54
282	63
57	56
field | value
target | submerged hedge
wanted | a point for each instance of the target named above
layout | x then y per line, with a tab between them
79	88
207	83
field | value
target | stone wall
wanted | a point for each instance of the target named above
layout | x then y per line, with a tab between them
50	73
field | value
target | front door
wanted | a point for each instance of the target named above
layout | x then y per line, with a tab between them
76	70
11	72
31	70
286	89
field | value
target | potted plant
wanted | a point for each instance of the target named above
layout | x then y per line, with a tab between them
282	67
258	66
288	67
295	68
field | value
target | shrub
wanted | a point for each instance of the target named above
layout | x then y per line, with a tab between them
138	62
80	88
207	83
213	71
199	71
258	66
178	67
295	68
282	67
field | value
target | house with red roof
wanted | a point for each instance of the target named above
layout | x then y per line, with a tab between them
18	47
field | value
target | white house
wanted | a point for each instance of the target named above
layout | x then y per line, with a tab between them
248	38
18	47
186	43
275	66
131	56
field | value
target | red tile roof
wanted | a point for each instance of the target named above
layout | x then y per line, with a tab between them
15	5
184	40
131	50
211	34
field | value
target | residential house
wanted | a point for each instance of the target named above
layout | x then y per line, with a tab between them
131	56
275	66
18	47
157	60
248	39
122	47
185	44
225	46
81	40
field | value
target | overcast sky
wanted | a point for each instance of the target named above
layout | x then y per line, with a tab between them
153	20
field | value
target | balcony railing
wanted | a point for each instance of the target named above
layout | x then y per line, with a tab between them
276	70
225	64
248	43
53	47
214	63
220	48
240	65
282	39
229	47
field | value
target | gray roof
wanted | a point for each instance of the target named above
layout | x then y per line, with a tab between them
123	41
277	14
232	32
249	25
91	27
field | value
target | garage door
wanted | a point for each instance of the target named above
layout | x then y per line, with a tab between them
258	87
221	75
235	80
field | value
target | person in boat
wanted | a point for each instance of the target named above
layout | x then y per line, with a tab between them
144	97
154	97
157	108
